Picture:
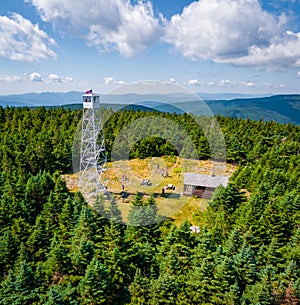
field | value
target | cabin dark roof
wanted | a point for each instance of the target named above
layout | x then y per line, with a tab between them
204	180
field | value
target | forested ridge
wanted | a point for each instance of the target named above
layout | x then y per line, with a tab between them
54	249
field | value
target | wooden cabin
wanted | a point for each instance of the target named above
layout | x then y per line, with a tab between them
201	185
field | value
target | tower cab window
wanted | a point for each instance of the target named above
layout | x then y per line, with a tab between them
87	99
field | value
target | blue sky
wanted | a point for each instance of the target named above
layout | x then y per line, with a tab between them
242	46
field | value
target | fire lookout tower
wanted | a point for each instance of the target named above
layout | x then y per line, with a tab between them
92	149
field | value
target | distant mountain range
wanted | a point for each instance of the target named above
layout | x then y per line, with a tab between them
279	108
74	97
41	99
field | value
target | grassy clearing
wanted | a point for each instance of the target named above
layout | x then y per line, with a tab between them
187	212
161	172
71	182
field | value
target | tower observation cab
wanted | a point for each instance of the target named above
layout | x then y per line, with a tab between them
92	150
91	100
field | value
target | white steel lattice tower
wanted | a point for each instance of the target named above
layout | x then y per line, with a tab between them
92	150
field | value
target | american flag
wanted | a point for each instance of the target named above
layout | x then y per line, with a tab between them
89	91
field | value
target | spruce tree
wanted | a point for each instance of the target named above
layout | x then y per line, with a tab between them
95	287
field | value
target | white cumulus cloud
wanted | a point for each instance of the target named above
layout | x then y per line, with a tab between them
119	82
108	80
115	24
237	32
233	83
68	79
35	77
23	41
193	82
54	78
10	78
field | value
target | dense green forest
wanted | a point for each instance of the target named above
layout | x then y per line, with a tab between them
56	250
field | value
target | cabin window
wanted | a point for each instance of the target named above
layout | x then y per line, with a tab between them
188	188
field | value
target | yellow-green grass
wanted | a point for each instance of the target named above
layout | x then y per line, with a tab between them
170	204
